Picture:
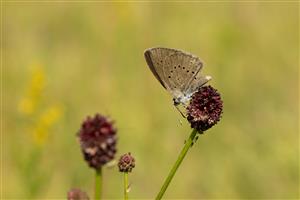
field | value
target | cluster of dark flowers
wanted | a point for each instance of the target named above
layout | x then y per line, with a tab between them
98	135
97	138
205	108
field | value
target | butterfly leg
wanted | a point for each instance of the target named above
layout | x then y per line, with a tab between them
195	140
176	106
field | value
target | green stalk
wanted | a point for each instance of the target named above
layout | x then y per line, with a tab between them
181	156
125	185
98	183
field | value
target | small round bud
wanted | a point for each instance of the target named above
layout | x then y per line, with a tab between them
77	194
126	163
205	108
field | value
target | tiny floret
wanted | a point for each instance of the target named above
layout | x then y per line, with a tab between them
97	138
77	194
205	108
126	163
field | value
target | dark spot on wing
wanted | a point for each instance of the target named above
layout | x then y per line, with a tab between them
169	76
171	71
183	68
187	71
178	66
193	72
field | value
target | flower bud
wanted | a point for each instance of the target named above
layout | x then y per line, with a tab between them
126	163
77	194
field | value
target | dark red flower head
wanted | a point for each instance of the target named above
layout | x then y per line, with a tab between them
97	138
77	194
126	163
205	108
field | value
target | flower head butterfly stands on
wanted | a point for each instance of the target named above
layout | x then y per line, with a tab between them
180	74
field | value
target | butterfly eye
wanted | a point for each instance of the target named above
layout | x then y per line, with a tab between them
176	101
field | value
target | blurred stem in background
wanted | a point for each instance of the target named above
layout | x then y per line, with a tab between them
125	185
34	177
180	158
98	183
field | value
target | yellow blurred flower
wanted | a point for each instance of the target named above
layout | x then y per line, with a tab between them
26	106
51	115
29	102
37	82
29	105
44	124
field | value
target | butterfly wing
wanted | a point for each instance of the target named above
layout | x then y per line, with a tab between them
196	83
174	69
155	58
183	69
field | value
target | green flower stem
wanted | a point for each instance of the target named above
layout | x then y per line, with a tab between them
181	156
98	183
125	185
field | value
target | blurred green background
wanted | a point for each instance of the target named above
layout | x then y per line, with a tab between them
65	61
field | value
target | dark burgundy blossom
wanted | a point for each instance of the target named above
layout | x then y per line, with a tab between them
205	108
97	138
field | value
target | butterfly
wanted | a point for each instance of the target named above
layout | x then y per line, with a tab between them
177	71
